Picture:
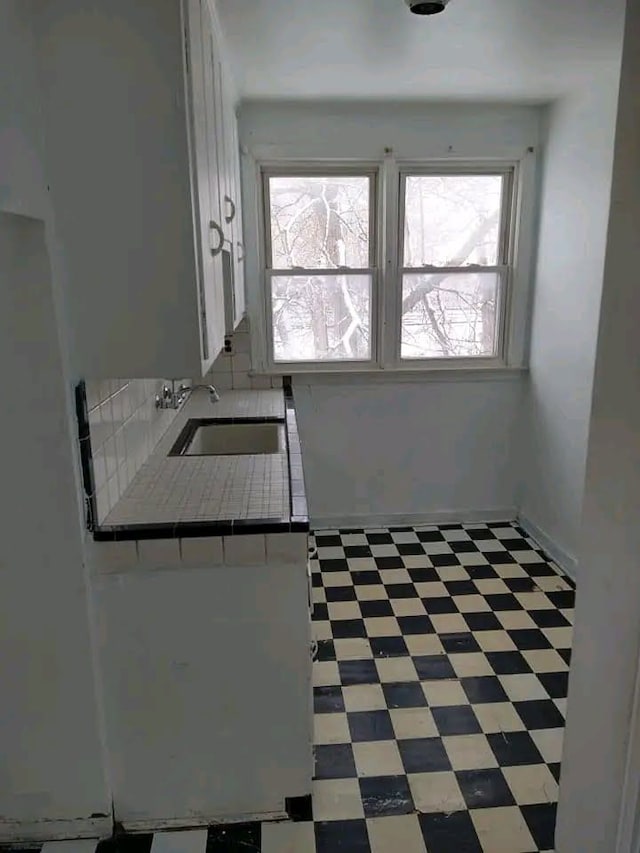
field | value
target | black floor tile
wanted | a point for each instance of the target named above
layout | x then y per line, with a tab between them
357	551
549	618
527	639
348	628
498	558
389	562
520	584
401	590
424	755
464	546
379	538
441	560
503	601
388	647
424	575
328	700
326	650
565	654
370	726
461	587
334	761
539	570
483	689
514	749
386	795
541	820
433	667
335	565
539	714
372	609
342	836
326	540
234	838
456	720
411	625
404	695
320	612
555	683
410	549
507	663
481	572
458	643
340	593
564	599
482	621
440	605
358	672
366	577
484	789
430	535
450	833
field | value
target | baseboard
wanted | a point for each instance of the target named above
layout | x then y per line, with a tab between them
197	821
452	516
17	831
566	561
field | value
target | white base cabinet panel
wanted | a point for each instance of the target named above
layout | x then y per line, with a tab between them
207	685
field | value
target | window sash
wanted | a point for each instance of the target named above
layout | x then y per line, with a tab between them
314	172
502	290
503	269
324	363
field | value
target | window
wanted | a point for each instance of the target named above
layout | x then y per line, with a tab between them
321	251
438	296
454	267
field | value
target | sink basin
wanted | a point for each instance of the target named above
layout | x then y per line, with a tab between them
202	438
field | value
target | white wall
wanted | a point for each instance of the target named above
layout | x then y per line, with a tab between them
607	630
22	184
51	772
578	158
374	451
416	451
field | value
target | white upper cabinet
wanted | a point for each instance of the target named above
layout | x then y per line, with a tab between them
133	102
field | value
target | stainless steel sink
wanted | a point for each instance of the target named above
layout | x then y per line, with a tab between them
206	438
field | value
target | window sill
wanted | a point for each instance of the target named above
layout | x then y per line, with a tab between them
374	375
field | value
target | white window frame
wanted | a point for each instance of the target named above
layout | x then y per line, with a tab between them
503	269
370	171
518	232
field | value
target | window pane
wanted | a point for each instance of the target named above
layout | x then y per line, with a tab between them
449	315
321	318
319	223
452	220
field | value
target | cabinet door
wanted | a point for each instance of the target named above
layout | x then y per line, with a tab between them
209	236
238	234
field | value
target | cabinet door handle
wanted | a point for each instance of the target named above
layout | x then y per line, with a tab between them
240	252
213	226
232	206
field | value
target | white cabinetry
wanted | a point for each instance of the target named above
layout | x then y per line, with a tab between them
133	109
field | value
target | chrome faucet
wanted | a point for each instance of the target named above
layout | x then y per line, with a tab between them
214	397
170	398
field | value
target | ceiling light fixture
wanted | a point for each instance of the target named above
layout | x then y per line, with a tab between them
420	7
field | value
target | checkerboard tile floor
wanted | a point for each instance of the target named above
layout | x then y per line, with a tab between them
440	689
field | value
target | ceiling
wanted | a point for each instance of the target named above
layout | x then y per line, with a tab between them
532	50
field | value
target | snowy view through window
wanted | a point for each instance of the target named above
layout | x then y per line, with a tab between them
322	249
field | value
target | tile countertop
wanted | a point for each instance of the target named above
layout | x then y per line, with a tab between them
182	496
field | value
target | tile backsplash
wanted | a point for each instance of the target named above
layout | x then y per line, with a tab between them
125	427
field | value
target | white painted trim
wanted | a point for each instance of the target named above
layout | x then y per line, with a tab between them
414	519
16	831
358	376
194	821
628	840
567	562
